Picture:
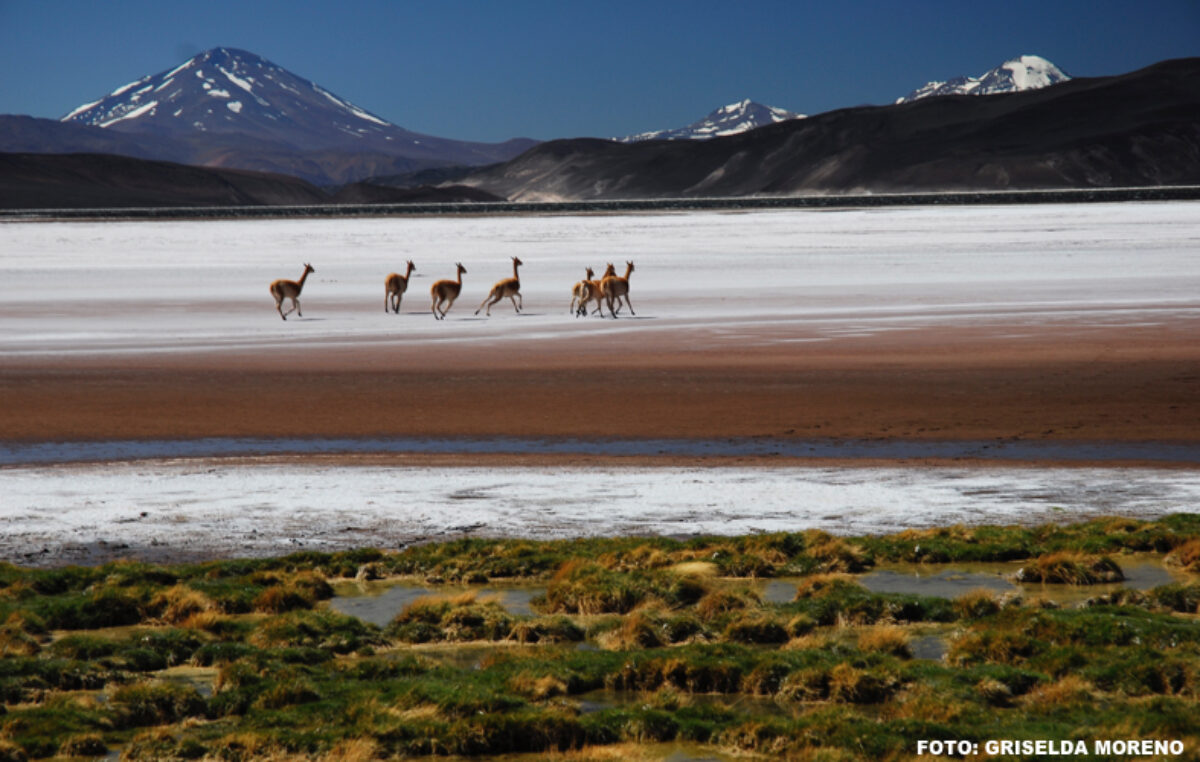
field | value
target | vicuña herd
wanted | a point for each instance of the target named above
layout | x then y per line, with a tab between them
610	289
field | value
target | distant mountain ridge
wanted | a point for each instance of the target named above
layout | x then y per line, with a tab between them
1137	129
1015	75
231	108
727	120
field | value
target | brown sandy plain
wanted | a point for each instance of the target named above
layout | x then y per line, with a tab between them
1070	382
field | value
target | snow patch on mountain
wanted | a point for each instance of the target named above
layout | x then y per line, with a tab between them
79	110
147	108
242	83
125	88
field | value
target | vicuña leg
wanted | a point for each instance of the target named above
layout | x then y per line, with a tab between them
488	301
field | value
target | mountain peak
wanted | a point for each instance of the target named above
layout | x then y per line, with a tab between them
732	108
230	90
727	120
230	107
1027	72
227	54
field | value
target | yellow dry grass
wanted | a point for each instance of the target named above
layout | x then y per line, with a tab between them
181	602
696	569
1186	556
888	639
1065	691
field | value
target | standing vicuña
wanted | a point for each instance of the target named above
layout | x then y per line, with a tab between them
597	290
617	289
394	287
446	291
289	289
581	292
510	287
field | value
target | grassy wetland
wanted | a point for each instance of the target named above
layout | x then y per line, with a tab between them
628	647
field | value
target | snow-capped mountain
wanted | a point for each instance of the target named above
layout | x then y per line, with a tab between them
236	108
227	90
727	120
1023	73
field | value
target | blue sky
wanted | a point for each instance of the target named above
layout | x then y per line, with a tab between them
491	70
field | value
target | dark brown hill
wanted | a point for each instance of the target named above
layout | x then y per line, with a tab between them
1138	129
321	166
102	181
80	181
